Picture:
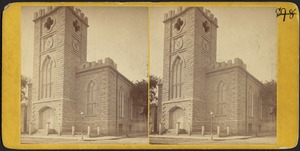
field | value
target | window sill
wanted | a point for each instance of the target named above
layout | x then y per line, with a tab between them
44	99
220	116
176	99
90	116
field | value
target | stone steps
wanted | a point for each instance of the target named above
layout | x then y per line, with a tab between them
173	131
43	132
40	132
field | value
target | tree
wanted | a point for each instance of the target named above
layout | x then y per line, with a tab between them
153	85
140	92
24	82
269	91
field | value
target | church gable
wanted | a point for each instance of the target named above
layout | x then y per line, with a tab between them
67	87
208	87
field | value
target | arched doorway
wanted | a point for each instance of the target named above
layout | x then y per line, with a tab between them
176	115
46	115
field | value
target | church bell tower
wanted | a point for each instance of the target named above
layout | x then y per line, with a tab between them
189	46
60	44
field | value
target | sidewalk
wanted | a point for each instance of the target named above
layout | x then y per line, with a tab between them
200	137
75	137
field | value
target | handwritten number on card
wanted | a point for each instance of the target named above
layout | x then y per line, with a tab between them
282	12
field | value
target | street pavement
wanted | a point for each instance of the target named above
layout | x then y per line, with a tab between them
153	139
199	139
67	139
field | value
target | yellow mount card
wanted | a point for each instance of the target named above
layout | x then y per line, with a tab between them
222	75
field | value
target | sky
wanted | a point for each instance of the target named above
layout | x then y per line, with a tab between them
120	33
246	33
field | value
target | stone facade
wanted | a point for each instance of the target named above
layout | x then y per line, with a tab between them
200	85
23	118
69	91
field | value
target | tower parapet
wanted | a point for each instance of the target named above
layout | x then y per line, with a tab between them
172	14
223	65
96	64
50	9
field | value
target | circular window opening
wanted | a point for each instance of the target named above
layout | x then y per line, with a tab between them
49	23
206	26
76	26
178	25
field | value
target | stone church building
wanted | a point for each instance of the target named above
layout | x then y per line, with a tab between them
197	87
67	92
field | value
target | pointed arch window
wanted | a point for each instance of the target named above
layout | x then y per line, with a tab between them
250	103
260	108
177	79
130	108
221	98
91	98
121	103
47	78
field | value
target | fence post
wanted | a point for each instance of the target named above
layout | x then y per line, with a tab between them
228	131
59	130
29	129
218	131
177	128
190	130
73	131
88	131
47	128
159	129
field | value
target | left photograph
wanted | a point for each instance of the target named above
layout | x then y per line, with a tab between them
84	75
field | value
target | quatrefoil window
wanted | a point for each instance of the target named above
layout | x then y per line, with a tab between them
206	26
178	24
49	23
76	26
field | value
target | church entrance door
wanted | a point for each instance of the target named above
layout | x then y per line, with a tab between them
46	116
176	115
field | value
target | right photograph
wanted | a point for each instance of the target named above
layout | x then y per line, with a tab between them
215	72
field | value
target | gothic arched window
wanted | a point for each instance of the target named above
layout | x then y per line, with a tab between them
47	78
121	103
260	108
221	98
130	108
177	79
250	102
91	98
